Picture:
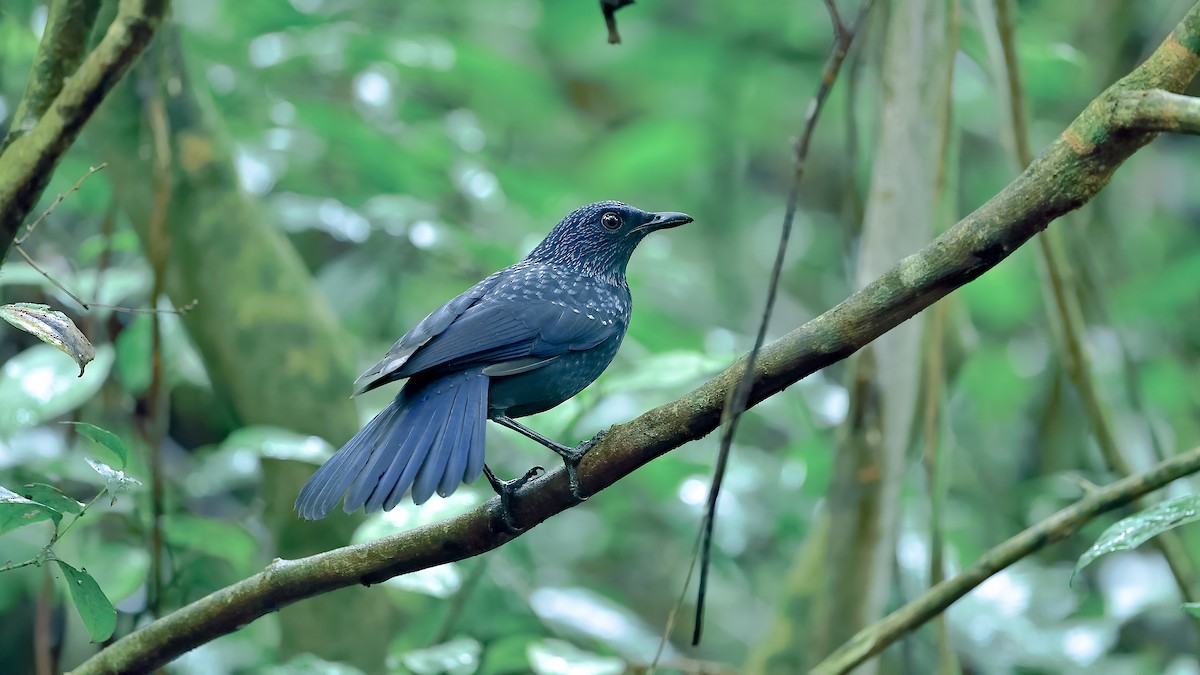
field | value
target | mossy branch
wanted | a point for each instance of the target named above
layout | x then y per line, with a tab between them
62	106
876	637
1067	175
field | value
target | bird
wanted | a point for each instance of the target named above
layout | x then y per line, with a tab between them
520	342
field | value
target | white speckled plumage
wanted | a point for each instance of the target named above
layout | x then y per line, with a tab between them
501	341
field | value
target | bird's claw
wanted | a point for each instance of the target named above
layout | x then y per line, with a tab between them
571	458
506	489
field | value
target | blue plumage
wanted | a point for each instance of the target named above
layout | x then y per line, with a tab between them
519	342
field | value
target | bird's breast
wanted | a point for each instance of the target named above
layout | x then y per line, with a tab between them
542	389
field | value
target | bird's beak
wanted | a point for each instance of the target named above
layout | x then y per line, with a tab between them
663	220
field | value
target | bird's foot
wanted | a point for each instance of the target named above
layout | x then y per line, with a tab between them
571	458
506	489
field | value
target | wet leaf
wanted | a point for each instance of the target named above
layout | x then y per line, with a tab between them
1129	533
456	657
39	384
555	657
106	439
52	497
407	516
579	611
307	664
93	606
441	581
279	443
53	328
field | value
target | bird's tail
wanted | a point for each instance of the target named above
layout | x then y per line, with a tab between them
430	438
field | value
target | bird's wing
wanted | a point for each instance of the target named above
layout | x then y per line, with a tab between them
386	370
509	337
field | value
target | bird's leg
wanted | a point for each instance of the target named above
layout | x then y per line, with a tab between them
506	489
570	456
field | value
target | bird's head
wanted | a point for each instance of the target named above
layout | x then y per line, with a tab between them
599	238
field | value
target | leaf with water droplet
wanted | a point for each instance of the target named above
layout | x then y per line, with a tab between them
52	497
1129	533
555	657
53	328
17	511
93	606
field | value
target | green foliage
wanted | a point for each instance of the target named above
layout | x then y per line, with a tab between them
40	502
106	439
17	511
1130	533
94	608
457	657
52	327
38	385
408	149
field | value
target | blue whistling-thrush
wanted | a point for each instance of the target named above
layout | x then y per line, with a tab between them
521	341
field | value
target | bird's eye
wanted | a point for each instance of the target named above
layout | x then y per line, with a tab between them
611	221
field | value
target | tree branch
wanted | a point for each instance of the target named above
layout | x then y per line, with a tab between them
1158	110
876	637
63	46
29	161
1068	174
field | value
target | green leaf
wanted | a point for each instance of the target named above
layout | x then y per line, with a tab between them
1192	608
38	384
17	511
407	516
574	611
134	345
106	439
119	567
277	443
217	538
52	497
440	581
456	657
555	657
52	327
1129	533
115	481
93	606
509	654
307	664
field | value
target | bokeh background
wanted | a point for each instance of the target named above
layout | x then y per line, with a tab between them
341	167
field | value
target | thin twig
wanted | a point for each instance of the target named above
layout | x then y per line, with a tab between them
736	404
1066	312
1065	177
878	636
107	226
43	652
157	248
935	458
21	251
54	204
459	601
